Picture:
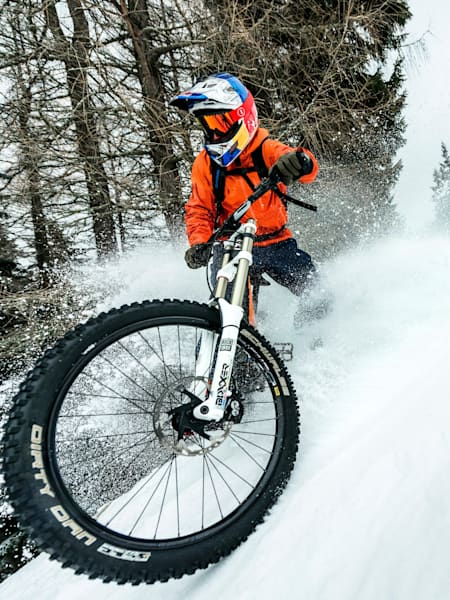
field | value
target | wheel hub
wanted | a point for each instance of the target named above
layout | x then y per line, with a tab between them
176	427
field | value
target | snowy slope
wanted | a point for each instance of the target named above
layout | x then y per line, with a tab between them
366	514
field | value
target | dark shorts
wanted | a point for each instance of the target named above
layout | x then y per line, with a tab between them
283	261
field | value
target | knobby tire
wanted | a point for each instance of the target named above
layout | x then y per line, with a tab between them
89	459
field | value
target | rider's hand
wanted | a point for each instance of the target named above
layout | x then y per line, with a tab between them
197	256
290	167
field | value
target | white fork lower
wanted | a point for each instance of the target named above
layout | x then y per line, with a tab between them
212	409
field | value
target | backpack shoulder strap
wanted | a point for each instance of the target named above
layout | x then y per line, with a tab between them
258	160
219	173
218	182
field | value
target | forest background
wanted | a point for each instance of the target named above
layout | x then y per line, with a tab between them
94	162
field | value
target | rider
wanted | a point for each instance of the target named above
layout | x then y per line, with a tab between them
237	151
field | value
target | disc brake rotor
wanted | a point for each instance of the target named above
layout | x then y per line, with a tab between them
167	423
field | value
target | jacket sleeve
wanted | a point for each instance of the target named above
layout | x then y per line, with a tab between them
309	178
200	209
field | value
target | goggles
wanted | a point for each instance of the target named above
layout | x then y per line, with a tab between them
218	125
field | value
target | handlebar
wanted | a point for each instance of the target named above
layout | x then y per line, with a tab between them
268	183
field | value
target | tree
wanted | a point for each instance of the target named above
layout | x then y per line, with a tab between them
141	26
30	140
75	55
100	87
326	74
30	160
441	190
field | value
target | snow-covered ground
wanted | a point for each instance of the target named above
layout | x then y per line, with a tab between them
366	514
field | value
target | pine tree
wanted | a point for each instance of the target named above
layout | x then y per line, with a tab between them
441	190
8	249
326	74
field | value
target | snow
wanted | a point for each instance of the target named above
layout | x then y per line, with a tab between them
366	513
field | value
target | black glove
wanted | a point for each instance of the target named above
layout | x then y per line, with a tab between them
197	256
290	167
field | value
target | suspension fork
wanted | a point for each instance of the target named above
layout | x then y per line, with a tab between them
236	270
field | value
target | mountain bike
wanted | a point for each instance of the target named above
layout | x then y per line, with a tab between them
151	440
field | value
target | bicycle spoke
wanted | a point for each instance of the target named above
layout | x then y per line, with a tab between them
224	480
214	488
258	421
247	453
97	437
231	470
116	396
136	493
115	414
163	499
140	363
127	399
84	460
251	443
148	498
127	377
235	430
177	497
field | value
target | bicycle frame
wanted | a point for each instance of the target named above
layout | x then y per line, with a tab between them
232	270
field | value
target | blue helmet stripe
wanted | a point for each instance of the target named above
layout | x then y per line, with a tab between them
235	83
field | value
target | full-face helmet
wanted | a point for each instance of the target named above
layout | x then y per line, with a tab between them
227	113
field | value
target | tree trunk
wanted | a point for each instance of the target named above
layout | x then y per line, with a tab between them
40	228
75	57
136	16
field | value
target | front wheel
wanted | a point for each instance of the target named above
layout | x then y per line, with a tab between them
100	471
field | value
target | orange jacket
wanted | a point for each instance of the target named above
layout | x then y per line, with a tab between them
269	210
